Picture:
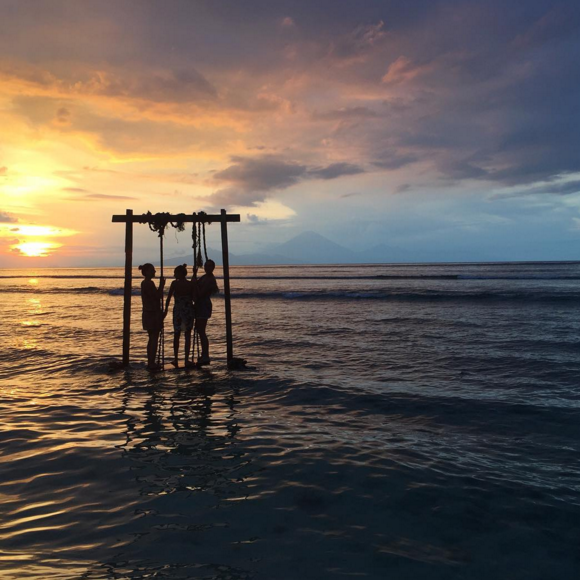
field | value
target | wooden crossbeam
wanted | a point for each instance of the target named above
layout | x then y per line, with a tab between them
145	218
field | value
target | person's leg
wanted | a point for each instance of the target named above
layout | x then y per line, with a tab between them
201	325
187	345
152	347
176	336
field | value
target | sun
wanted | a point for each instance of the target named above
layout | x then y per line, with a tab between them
36	249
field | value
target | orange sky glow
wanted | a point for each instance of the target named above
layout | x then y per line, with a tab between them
422	127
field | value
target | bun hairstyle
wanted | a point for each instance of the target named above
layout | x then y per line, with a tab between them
180	271
145	268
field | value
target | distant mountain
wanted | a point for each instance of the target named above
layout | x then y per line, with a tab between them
312	248
256	259
306	248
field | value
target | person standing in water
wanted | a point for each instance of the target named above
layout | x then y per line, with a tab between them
183	313
152	298
203	290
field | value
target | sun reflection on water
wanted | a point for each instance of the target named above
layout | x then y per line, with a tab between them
35	306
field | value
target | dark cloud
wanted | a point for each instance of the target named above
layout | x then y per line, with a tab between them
475	90
562	188
403	187
346	113
253	179
7	218
392	160
63	115
335	170
358	42
264	173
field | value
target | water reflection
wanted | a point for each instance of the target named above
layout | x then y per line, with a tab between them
183	439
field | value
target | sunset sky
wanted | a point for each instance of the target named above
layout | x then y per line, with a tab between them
449	128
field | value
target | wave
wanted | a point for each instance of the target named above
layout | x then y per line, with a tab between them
341	277
62	277
343	294
412	296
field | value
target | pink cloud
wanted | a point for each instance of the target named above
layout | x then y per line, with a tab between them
403	70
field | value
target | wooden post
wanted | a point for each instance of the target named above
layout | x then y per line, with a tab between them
127	288
226	270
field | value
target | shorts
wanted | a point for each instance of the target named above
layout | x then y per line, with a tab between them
183	314
152	320
203	309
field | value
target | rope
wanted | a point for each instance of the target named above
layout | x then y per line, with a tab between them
161	345
194	246
202	213
199	259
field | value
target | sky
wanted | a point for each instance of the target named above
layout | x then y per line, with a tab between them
449	129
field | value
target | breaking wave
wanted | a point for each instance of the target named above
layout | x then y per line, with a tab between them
328	295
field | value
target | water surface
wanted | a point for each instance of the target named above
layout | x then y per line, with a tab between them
398	421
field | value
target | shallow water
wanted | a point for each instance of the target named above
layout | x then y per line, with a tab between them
397	421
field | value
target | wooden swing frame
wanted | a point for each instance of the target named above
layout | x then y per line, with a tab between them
129	219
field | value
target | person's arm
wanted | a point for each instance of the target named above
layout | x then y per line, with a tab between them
169	296
194	289
161	286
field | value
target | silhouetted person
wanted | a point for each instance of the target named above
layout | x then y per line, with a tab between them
203	290
183	312
152	313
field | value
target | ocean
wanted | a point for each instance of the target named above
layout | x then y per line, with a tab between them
395	421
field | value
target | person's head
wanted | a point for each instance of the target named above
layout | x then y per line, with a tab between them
209	266
180	272
148	270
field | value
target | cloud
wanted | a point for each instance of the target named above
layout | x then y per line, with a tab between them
3	171
346	113
264	173
402	70
86	195
7	218
253	179
472	91
335	170
110	132
561	188
357	44
178	86
255	220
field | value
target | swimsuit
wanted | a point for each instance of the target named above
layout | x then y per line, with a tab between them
152	314
203	306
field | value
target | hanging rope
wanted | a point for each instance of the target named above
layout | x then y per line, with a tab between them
199	240
161	346
158	223
202	224
194	246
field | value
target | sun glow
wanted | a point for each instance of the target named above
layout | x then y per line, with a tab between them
23	239
35	249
